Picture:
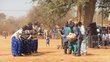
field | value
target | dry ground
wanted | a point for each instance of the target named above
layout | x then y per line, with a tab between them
51	54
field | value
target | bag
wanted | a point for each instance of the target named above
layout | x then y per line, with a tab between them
71	37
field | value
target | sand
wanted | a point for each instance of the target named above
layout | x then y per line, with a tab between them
51	53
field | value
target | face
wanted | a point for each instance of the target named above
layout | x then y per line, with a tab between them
72	23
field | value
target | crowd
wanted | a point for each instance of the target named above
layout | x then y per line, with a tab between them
84	37
74	38
101	40
25	41
76	46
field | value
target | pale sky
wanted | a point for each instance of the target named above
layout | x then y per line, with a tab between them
16	8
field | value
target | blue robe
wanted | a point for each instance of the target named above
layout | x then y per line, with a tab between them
29	46
19	47
24	46
34	44
14	46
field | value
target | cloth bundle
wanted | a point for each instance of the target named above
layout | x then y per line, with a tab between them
71	37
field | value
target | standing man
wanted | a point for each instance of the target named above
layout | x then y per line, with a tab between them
79	39
34	41
83	39
72	45
62	36
105	39
5	34
66	31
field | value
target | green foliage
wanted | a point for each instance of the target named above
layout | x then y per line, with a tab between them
81	2
105	5
54	10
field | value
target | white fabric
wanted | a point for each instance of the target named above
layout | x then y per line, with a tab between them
71	36
84	45
17	33
82	29
105	36
109	36
98	30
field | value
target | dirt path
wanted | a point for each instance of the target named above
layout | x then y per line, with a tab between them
51	54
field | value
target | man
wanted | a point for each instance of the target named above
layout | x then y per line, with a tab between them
79	39
5	34
62	36
34	41
66	31
105	39
84	41
72	45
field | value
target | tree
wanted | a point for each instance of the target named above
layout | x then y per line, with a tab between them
54	10
105	6
88	13
2	16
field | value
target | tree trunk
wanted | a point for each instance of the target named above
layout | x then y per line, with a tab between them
79	12
88	13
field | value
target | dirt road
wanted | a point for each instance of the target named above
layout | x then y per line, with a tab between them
51	54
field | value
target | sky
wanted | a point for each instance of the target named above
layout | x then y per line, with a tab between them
16	8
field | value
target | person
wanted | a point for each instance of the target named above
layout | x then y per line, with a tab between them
25	40
105	38
79	40
72	45
84	46
84	39
5	34
47	39
66	31
82	28
15	46
99	38
62	35
34	40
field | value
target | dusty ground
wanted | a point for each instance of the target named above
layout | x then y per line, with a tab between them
51	54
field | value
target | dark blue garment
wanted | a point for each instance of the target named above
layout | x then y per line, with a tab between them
29	46
77	31
79	40
47	40
14	46
19	46
24	46
34	45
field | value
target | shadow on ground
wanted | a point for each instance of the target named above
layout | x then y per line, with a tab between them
43	53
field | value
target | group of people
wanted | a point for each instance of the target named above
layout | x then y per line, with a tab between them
101	40
25	41
77	46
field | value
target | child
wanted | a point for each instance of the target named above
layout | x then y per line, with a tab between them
47	39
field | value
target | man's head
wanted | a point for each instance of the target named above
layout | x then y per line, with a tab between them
79	23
